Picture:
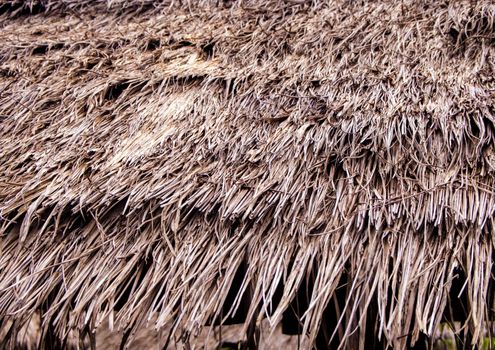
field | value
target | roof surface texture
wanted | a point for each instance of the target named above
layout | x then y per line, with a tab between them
151	150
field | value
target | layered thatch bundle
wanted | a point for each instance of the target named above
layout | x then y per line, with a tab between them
160	158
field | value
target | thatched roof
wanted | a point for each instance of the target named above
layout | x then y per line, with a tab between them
151	150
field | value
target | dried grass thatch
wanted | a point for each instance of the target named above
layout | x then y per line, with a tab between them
151	150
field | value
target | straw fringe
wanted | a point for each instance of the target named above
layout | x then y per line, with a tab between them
149	149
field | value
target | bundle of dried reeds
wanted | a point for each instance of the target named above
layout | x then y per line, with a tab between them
151	150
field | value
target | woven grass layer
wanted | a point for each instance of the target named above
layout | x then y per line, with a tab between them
149	150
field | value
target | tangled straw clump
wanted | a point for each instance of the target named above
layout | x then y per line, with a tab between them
149	149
